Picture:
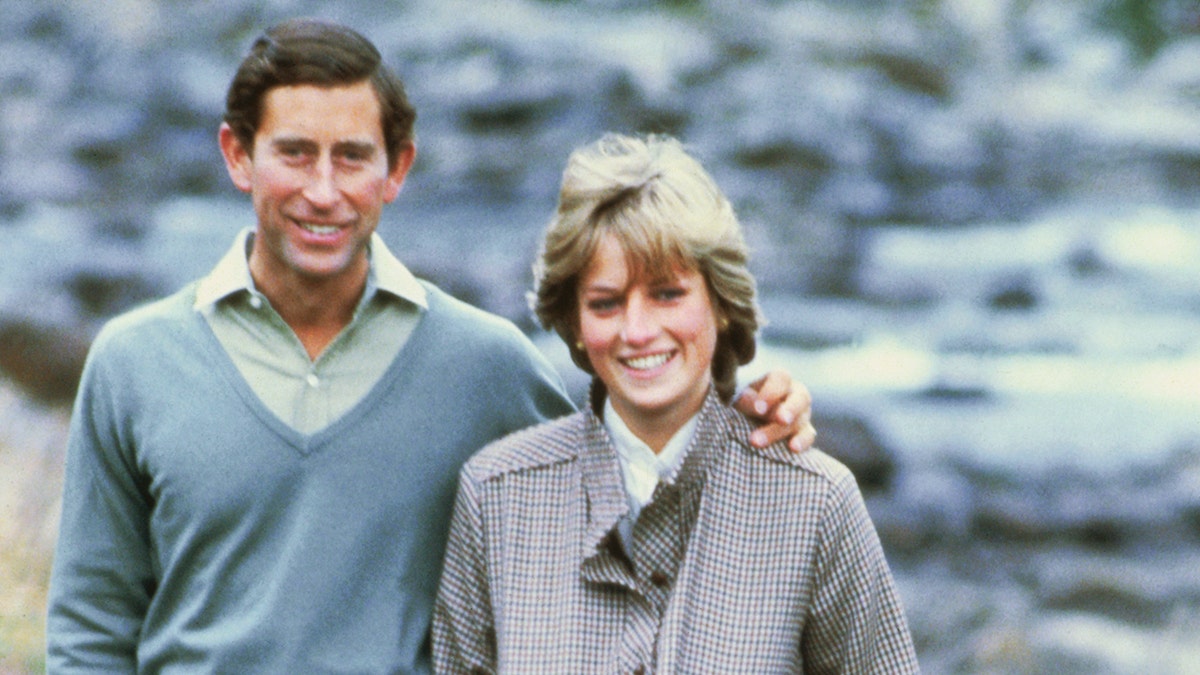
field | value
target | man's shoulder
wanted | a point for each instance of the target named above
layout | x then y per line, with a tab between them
134	346
457	316
487	364
140	321
530	449
475	337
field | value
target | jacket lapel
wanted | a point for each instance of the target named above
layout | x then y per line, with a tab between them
602	559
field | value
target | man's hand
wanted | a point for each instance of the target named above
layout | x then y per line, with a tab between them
785	408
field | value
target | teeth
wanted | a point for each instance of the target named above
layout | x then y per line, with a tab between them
647	362
321	230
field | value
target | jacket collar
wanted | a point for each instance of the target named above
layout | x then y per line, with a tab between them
601	555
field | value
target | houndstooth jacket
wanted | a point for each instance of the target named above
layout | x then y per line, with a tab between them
745	561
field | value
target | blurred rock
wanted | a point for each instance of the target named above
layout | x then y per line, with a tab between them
44	361
851	441
1118	599
101	294
1015	294
812	117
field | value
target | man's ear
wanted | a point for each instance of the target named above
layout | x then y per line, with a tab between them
399	171
238	159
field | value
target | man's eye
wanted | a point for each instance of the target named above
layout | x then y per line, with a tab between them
667	294
354	153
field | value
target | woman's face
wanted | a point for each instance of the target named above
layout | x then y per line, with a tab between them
650	341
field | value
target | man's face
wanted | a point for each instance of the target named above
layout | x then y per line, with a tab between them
319	177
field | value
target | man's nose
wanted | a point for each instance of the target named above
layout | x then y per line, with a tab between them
322	184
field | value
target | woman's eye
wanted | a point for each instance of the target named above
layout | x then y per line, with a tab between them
602	304
667	294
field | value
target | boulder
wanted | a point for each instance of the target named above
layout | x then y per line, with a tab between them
44	361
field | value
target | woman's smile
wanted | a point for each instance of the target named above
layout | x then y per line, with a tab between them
649	362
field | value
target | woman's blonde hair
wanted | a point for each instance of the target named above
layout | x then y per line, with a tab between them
667	213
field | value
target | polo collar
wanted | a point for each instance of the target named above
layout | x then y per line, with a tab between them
232	274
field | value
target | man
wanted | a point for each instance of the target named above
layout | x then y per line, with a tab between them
261	467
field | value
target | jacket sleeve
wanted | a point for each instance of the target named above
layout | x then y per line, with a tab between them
857	623
464	638
102	579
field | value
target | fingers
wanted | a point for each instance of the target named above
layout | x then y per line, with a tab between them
768	434
800	434
768	391
805	438
797	405
778	398
785	406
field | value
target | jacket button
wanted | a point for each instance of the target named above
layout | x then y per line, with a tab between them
658	579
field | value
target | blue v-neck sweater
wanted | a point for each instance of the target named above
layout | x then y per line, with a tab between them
202	534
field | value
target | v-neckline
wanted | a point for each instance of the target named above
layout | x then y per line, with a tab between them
308	443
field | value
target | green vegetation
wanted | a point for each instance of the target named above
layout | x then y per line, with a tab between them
1149	25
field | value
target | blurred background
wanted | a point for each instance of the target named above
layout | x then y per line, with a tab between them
976	227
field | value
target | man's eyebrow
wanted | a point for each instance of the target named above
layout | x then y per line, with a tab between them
364	147
292	141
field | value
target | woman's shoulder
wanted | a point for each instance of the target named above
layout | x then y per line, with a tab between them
529	449
812	462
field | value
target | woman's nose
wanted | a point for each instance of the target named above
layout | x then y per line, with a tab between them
640	325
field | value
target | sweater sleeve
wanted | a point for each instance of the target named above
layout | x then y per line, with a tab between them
525	387
542	396
857	623
500	374
102	578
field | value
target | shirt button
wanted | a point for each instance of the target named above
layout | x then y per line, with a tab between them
639	671
658	579
312	380
255	301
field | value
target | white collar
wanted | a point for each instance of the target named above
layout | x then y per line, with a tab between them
641	468
232	274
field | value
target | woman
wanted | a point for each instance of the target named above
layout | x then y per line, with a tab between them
643	534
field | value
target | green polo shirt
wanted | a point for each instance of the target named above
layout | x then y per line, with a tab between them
309	394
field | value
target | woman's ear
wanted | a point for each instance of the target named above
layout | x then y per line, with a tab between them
722	319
